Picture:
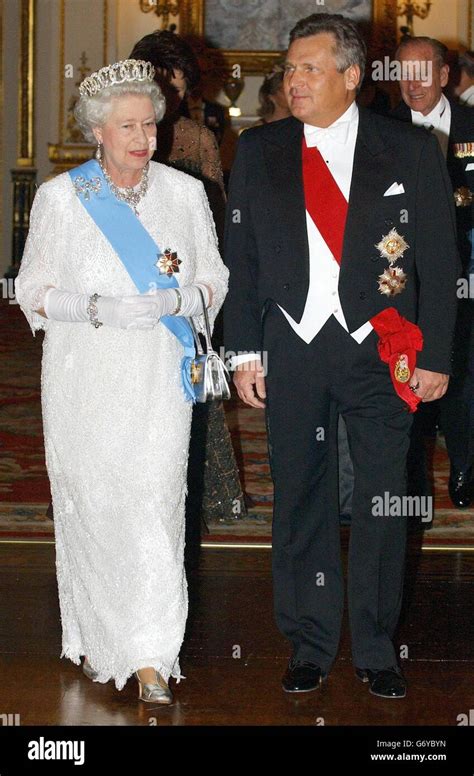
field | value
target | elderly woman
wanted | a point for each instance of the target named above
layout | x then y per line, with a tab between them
118	253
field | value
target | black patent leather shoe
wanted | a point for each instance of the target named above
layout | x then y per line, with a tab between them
302	676
386	682
460	488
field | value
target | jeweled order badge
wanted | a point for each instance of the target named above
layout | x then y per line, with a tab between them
168	262
393	280
402	371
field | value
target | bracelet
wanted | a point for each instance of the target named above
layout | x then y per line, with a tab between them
179	300
93	311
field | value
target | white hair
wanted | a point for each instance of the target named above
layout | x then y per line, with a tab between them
94	111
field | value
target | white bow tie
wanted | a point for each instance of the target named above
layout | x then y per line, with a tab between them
423	121
316	135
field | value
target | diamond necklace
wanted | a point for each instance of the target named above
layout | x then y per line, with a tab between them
128	194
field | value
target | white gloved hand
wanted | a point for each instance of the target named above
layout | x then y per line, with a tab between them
159	302
127	312
140	311
190	299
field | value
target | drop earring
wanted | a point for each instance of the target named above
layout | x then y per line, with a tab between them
98	153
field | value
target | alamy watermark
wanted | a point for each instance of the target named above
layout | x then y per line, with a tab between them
8	290
10	720
44	749
465	287
393	70
403	506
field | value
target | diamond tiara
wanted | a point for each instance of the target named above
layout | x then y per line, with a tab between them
118	73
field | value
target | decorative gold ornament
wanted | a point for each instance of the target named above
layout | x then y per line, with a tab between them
463	197
196	372
410	9
161	9
168	262
392	246
401	371
392	281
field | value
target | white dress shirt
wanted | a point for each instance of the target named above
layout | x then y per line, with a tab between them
336	145
438	121
467	97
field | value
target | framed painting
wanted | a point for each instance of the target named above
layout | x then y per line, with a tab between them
254	33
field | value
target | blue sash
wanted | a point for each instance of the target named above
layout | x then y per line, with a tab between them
135	248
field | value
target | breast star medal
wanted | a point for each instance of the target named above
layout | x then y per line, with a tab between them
463	197
168	262
401	371
392	281
392	247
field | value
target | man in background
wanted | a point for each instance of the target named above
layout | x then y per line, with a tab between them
464	89
424	104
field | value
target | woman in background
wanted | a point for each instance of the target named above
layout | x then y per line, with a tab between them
214	489
273	103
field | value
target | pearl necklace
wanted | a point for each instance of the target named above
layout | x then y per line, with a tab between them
128	193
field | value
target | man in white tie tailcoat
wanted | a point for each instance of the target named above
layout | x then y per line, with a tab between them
339	237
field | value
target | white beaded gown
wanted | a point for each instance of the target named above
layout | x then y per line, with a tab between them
116	428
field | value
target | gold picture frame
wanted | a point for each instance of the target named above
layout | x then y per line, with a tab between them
383	36
66	154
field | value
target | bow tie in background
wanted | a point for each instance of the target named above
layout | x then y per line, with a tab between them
420	120
316	135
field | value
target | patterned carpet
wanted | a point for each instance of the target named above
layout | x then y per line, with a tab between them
24	487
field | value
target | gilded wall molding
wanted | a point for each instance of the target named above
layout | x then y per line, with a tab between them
2	117
470	41
23	176
25	149
63	154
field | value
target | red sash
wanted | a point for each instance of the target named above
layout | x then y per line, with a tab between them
324	200
399	341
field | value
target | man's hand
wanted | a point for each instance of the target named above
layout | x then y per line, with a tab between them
431	385
250	383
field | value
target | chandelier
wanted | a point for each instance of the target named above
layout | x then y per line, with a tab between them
161	9
411	9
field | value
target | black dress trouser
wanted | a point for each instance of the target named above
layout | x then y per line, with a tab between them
307	385
454	412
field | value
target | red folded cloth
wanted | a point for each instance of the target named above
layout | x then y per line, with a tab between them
397	346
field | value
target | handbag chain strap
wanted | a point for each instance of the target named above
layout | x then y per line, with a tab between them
207	329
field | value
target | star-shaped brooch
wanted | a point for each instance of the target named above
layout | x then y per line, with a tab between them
463	197
392	246
168	262
392	281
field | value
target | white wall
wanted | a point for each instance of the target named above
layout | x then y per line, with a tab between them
446	21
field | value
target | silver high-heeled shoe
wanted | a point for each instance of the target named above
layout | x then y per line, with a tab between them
154	692
88	670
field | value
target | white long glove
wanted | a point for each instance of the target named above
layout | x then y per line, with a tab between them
141	311
190	299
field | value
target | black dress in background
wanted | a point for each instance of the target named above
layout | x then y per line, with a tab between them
214	489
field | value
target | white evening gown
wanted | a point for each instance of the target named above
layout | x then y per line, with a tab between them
116	428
